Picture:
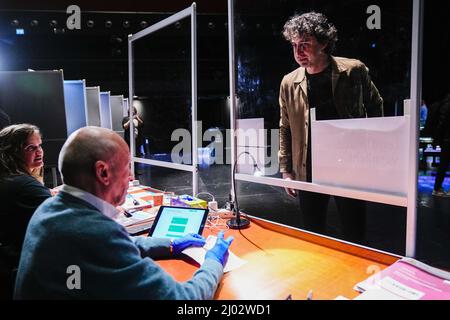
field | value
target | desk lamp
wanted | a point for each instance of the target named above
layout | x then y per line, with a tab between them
238	223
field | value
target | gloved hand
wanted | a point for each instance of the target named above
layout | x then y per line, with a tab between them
189	240
220	250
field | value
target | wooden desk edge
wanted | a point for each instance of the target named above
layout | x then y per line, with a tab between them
356	250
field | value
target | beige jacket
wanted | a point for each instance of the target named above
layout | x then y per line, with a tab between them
355	96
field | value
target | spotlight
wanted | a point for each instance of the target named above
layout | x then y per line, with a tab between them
53	23
108	24
143	24
126	24
90	23
59	30
116	52
211	26
34	23
15	23
116	39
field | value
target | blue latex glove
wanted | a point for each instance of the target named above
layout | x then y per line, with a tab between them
220	250
189	240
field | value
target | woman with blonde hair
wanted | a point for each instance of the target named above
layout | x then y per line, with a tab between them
21	192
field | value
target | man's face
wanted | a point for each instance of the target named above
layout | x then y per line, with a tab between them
120	177
307	50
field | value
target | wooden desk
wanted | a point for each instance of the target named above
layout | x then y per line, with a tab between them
289	261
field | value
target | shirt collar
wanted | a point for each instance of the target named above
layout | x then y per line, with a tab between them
104	207
337	66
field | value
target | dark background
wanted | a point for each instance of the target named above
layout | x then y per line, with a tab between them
99	53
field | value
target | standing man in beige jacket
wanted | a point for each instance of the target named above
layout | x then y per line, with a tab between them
338	88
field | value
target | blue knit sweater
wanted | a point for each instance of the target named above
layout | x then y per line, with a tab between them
66	231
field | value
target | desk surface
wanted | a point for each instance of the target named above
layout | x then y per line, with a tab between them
288	261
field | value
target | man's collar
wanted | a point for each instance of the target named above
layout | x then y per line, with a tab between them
336	67
104	207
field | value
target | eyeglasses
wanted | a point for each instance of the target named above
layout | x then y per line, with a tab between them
32	147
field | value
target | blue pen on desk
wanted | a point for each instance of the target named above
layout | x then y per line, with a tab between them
135	202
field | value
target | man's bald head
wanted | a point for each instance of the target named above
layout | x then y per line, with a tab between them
84	148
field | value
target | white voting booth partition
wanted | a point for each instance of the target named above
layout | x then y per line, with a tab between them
188	12
105	110
75	101
251	145
117	111
125	107
363	154
93	104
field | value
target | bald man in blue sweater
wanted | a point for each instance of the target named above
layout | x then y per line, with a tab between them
74	249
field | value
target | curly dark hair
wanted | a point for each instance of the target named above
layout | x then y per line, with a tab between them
312	24
12	141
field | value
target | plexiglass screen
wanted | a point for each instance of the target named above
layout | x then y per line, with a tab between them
351	63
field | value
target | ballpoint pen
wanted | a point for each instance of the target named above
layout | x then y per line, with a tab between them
135	202
127	214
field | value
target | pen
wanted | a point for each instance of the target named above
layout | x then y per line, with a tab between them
127	214
309	296
135	202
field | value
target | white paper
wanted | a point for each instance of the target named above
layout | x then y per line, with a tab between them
341	298
134	201
198	254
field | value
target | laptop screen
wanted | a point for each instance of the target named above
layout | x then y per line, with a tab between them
176	222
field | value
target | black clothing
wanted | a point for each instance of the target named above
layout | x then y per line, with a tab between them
320	94
126	132
138	136
314	206
20	195
352	214
443	138
320	97
443	121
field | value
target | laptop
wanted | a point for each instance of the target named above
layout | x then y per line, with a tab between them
175	222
